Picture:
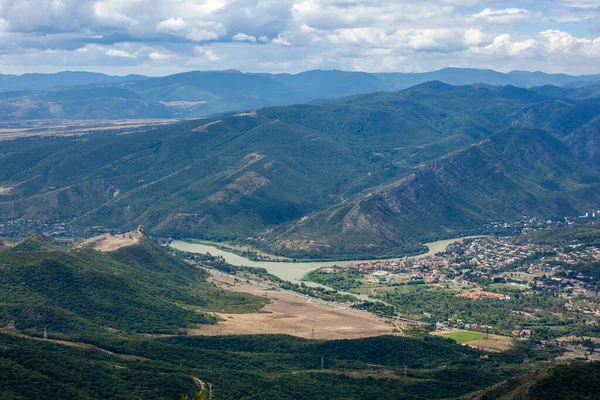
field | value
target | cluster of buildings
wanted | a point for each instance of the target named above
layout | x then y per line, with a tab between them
482	294
22	227
500	260
528	224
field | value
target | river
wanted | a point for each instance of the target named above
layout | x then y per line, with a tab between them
293	271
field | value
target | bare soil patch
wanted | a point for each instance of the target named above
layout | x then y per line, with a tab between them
108	242
577	354
67	128
293	315
494	343
203	128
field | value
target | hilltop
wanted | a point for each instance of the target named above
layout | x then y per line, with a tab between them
38	242
110	242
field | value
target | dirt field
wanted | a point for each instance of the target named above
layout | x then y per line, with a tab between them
66	128
573	354
293	315
109	242
494	343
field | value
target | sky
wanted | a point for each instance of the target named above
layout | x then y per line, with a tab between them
160	37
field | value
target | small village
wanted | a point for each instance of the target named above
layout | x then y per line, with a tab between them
493	260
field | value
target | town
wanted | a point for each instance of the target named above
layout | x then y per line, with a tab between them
514	284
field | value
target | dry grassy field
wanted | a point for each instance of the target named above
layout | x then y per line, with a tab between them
108	242
293	315
66	128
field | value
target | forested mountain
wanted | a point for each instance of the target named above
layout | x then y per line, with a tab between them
138	288
360	175
81	95
575	381
12	83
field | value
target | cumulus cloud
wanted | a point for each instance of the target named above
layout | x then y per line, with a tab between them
507	15
208	54
242	37
173	24
582	3
164	36
119	53
159	56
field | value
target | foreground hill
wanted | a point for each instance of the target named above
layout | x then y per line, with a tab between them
364	175
575	381
137	288
80	95
245	367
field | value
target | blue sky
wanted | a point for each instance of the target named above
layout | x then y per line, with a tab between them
158	37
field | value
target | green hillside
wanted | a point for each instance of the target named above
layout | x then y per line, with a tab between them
39	242
138	288
246	367
513	173
574	381
367	175
588	235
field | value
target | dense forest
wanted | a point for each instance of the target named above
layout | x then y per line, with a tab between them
246	367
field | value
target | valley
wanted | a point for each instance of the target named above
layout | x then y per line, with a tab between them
90	313
368	176
435	241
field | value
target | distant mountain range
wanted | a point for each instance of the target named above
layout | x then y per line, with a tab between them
367	175
12	83
83	95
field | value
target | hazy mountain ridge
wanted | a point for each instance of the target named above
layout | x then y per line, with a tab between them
81	95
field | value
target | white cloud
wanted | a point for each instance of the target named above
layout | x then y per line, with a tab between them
119	53
159	56
388	35
582	3
564	43
242	37
507	15
282	41
195	31
208	54
172	25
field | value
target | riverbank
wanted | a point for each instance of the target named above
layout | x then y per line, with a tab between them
294	271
